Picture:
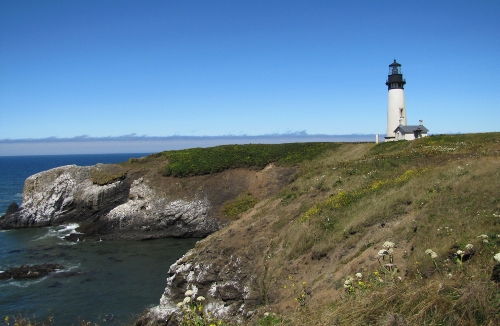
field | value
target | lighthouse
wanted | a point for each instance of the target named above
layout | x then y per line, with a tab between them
396	108
397	128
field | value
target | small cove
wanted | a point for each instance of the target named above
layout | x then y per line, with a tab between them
108	283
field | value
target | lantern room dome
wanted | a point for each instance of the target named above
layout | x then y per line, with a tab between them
395	68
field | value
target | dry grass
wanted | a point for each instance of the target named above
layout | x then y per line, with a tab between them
438	193
458	301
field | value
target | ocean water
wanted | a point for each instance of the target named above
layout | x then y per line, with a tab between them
110	282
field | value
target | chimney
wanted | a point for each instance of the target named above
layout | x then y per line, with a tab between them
421	122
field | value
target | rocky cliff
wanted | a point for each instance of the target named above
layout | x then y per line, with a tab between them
65	194
112	201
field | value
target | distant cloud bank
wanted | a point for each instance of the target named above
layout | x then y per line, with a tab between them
147	144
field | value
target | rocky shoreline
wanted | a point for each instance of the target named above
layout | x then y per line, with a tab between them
139	206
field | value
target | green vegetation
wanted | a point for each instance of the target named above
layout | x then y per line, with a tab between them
102	178
199	161
241	204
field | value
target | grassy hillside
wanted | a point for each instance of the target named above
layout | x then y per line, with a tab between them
433	205
400	233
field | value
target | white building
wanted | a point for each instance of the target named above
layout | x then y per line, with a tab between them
410	132
397	128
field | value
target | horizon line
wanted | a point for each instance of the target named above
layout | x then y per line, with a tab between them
135	137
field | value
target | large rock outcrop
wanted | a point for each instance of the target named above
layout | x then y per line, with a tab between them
119	209
65	194
147	215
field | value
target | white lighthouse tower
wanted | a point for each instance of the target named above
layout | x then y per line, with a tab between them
396	108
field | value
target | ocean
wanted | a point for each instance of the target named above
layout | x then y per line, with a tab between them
111	282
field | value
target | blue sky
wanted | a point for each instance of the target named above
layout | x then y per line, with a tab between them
211	68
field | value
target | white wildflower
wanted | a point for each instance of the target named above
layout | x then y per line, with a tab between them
450	275
469	246
200	298
460	252
483	236
431	253
266	314
485	240
180	304
388	244
186	300
497	257
382	252
359	275
390	251
348	283
189	293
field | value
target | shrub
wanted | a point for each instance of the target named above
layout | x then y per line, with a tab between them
102	178
241	204
200	161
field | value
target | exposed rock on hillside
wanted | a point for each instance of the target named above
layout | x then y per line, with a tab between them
157	216
228	277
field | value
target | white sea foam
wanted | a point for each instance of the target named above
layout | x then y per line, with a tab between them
50	232
23	283
67	269
67	243
59	231
68	229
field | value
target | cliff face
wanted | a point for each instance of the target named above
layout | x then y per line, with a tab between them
64	194
140	204
227	269
146	213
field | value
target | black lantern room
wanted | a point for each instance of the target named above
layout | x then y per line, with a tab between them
395	79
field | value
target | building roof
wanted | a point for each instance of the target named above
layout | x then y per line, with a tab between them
395	64
407	129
